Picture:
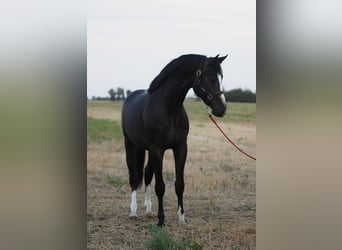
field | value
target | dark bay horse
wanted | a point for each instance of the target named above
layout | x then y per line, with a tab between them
155	120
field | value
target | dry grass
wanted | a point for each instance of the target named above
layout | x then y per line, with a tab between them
219	197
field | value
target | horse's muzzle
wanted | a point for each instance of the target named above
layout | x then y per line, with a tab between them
218	107
221	113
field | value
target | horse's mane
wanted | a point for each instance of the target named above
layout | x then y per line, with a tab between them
189	61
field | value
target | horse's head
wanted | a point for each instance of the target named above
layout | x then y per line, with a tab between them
207	85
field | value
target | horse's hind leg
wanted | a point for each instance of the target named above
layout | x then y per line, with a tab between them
149	170
180	153
135	161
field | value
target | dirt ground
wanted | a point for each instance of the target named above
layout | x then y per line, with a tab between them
219	196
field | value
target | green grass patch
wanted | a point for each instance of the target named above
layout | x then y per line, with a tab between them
161	239
241	112
116	181
99	130
117	105
236	112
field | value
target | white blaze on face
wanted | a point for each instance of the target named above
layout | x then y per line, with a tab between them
219	77
148	202
223	99
133	204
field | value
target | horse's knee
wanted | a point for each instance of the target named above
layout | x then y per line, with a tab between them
160	189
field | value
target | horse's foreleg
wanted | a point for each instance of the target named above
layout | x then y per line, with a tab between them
133	204
148	178
180	153
157	160
148	201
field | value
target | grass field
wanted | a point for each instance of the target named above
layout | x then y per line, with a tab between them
219	196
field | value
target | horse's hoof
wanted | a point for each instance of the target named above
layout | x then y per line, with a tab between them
181	222
149	215
181	219
160	226
133	216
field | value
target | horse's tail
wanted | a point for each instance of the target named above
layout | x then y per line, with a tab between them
135	159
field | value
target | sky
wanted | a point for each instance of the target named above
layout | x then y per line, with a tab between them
129	42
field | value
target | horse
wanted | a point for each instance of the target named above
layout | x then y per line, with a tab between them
155	120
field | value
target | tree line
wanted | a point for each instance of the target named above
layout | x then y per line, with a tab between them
118	94
239	95
234	95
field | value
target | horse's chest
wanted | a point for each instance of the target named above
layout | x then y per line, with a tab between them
168	134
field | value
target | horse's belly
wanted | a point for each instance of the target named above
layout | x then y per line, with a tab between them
167	138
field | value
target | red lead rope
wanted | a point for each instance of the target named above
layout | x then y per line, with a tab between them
224	134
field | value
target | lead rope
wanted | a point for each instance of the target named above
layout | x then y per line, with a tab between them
224	134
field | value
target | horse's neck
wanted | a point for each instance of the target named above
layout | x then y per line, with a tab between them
174	94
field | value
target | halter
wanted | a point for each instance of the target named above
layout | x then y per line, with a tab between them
197	82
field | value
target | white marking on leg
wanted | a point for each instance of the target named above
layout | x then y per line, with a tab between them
148	202
181	219
133	204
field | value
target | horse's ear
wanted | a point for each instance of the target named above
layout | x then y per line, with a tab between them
220	59
212	60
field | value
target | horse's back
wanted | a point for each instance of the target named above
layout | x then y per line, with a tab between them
136	97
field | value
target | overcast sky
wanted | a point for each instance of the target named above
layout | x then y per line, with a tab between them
129	42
